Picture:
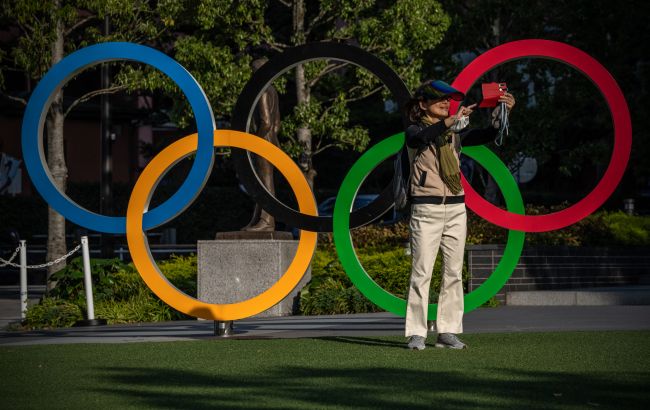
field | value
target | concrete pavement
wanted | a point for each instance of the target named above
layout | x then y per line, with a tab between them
484	320
10	302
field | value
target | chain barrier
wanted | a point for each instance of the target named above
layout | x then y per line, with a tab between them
42	265
4	262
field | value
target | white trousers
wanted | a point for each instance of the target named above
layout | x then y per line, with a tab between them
433	227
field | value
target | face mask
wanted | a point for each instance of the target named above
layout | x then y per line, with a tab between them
460	124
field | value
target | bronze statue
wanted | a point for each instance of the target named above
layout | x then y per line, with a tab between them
265	124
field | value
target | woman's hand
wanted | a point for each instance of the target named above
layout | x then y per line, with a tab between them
462	112
465	111
509	99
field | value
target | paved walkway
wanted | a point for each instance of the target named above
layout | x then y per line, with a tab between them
10	302
485	320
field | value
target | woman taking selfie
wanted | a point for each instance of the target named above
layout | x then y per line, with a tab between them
438	216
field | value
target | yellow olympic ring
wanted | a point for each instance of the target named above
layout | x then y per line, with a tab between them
139	247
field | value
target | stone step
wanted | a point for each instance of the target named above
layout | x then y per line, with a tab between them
606	296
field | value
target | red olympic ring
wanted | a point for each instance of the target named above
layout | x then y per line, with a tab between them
581	61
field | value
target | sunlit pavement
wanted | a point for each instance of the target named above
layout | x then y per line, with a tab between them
484	320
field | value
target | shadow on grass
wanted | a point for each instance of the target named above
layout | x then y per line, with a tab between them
366	341
373	387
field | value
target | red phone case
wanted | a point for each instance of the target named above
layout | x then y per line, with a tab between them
491	94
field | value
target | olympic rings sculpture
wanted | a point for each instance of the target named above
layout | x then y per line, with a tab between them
139	219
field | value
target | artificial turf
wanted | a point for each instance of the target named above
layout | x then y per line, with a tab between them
518	370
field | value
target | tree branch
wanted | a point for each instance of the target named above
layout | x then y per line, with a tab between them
316	22
88	96
290	137
319	150
79	23
328	69
14	98
277	46
10	68
25	28
285	3
375	48
326	110
361	97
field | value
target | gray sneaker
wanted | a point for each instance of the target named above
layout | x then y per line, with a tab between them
416	342
449	341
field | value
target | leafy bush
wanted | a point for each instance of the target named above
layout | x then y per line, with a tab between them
378	237
492	302
120	294
330	297
143	307
70	279
628	230
181	271
114	279
330	291
52	312
381	252
599	229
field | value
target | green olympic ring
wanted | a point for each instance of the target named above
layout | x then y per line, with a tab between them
343	238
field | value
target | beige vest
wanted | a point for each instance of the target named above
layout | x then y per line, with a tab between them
425	171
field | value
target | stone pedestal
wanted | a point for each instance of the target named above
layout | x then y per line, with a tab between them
232	270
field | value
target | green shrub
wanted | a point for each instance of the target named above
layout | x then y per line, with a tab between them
330	291
70	279
126	285
628	230
333	297
120	295
52	312
391	269
378	237
380	251
143	307
492	302
116	280
599	229
181	271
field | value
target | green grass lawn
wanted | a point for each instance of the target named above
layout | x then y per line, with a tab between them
524	370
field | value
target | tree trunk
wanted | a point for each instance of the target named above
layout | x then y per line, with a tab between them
303	133
56	245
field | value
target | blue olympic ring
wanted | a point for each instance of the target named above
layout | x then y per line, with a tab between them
38	107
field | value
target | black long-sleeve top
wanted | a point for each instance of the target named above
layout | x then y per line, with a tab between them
419	135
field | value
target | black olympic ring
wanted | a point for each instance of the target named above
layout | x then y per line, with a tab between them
243	113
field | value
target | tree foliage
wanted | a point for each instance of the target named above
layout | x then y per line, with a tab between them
39	34
221	37
561	119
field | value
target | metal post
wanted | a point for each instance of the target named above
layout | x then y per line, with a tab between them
223	329
88	288
88	284
431	326
23	279
628	205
